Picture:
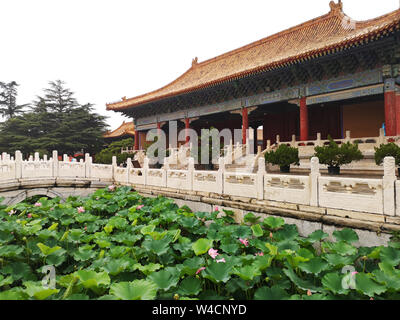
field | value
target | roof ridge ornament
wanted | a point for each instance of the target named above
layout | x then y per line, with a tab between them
195	62
336	7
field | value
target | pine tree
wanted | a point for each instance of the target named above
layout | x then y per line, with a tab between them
58	98
8	100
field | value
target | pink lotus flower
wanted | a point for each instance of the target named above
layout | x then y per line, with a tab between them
85	228
111	188
221	260
38	204
244	242
200	270
213	253
309	293
11	213
140	207
260	254
51	209
216	209
29	215
81	209
354	273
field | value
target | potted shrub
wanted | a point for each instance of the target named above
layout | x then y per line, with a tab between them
334	156
388	150
283	156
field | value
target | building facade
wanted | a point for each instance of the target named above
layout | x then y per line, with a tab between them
328	75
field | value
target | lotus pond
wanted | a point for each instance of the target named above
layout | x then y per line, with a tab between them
117	244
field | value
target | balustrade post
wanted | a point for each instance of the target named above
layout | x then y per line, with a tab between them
18	164
165	173
128	167
190	173
260	178
114	167
145	169
388	183
37	157
220	174
88	165
55	163
314	180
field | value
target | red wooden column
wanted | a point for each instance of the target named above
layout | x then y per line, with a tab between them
303	120
390	107
158	129
397	113
245	124
136	140
187	127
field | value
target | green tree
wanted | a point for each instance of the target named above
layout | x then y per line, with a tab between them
46	128
114	149
8	100
58	98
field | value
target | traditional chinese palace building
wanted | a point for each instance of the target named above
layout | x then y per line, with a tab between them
125	130
327	75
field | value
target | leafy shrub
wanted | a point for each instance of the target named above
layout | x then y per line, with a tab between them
334	155
117	244
387	150
283	156
114	149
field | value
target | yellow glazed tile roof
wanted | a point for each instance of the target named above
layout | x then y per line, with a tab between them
325	34
126	128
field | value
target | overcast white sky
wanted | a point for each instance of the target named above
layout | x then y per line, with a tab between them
107	49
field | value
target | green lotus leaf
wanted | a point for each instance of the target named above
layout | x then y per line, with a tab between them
274	223
46	251
202	246
274	293
5	237
257	230
19	270
251	218
334	283
117	222
14	294
390	280
273	250
93	280
115	266
263	262
75	235
317	236
390	255
368	286
147	229
85	217
190	286
190	266
148	268
243	232
11	251
78	296
6	281
314	266
347	235
103	243
157	247
338	260
299	282
57	258
189	222
218	272
37	291
287	233
84	253
165	279
342	248
247	272
230	248
135	290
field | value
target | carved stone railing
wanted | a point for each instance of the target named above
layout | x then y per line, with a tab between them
378	196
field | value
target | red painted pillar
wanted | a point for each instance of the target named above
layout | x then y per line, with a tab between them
187	127
390	107
136	140
397	113
303	120
245	124
159	129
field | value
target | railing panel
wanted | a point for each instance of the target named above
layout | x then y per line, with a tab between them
7	171
207	181
240	184
351	194
37	169
121	175
71	169
287	188
137	176
101	171
156	177
178	179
